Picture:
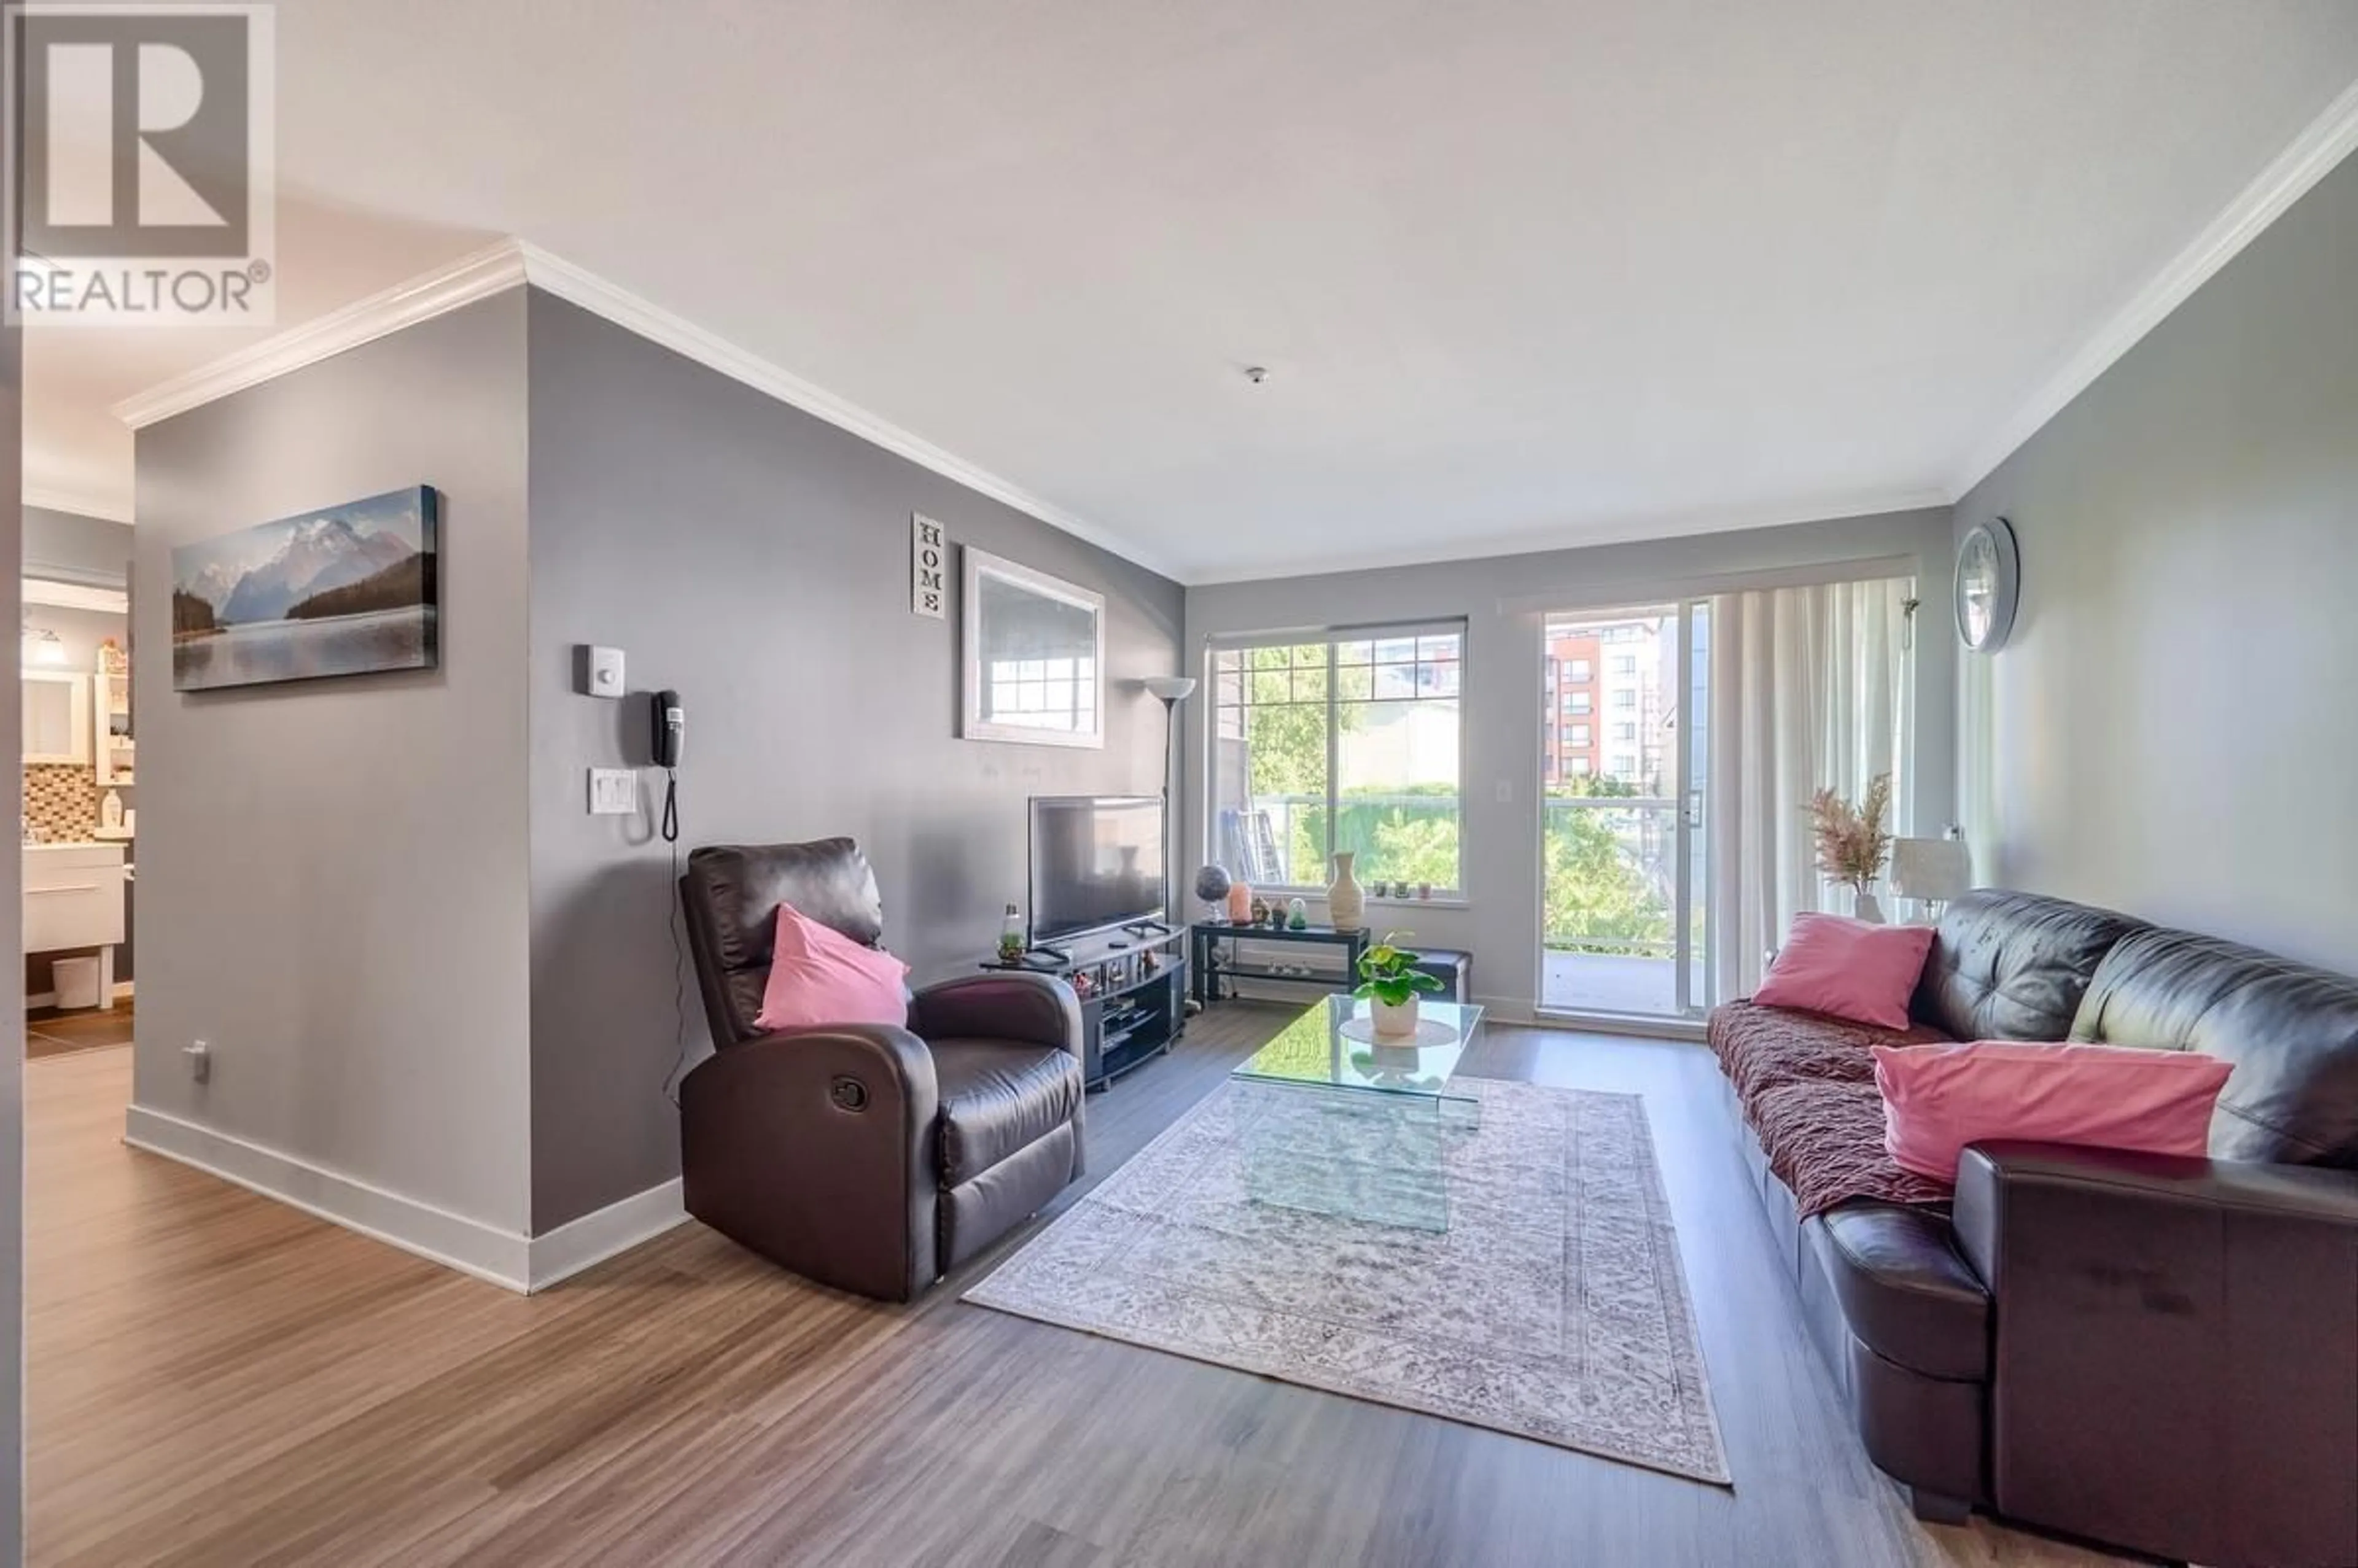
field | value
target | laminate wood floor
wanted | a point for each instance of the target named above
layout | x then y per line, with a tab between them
217	1379
52	1034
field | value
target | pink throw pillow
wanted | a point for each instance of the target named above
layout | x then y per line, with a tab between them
1938	1098
1849	969
817	975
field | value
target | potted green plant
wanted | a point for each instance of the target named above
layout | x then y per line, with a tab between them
1389	980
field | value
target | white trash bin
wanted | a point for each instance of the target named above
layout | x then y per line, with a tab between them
76	983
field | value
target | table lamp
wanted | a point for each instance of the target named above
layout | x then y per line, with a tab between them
1931	871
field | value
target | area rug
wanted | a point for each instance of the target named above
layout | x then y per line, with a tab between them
1553	1306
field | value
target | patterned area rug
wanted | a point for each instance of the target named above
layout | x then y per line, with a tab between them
1553	1308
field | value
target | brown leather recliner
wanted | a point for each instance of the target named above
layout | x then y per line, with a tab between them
864	1156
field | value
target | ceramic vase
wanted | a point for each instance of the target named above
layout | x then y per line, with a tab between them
1347	902
1870	908
1393	1022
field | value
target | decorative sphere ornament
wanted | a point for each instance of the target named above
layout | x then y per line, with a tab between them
1212	884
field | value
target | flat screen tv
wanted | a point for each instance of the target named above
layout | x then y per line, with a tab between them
1097	864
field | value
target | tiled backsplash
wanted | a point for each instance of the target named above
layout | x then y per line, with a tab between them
61	800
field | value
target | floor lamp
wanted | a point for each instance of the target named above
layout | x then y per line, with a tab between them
1171	691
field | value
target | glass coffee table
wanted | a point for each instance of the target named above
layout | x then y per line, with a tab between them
1347	1122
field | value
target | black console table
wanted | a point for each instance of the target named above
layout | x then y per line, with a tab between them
1210	965
1133	991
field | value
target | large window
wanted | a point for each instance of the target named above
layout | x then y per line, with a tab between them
1343	742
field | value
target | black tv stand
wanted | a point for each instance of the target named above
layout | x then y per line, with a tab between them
1135	1008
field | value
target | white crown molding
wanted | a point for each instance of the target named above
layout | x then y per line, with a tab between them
2329	138
473	277
80	505
1622	531
653	322
512	261
66	595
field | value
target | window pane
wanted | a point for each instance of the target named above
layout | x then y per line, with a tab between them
1268	795
1390	705
1397	790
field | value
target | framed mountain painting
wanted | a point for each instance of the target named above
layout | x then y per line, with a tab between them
346	590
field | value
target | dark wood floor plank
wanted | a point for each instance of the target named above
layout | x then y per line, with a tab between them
216	1378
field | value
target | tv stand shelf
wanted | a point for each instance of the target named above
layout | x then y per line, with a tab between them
1142	985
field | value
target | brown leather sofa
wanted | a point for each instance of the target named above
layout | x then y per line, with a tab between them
864	1156
2154	1353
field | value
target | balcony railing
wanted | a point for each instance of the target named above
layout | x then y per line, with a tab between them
1607	881
1279	841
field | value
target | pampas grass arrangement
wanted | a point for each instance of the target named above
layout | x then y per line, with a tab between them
1854	841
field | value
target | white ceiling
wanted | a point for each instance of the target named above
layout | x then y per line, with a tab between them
1524	274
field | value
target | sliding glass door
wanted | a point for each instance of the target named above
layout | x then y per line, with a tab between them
1624	737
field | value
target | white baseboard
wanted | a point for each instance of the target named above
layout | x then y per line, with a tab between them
469	1246
503	1257
596	1237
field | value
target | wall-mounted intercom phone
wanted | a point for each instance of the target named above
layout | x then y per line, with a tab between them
670	730
671	723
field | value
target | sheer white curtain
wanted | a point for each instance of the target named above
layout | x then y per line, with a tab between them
1808	690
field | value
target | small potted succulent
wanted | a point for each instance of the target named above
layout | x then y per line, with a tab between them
1389	980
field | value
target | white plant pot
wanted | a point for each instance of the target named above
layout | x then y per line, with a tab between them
1393	1022
1870	908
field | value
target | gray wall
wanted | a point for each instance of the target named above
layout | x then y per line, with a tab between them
71	547
2174	726
12	1002
755	559
1502	598
80	631
333	875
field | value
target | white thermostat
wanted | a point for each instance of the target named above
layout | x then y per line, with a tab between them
603	671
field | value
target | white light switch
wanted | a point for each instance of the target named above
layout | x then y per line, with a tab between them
613	791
